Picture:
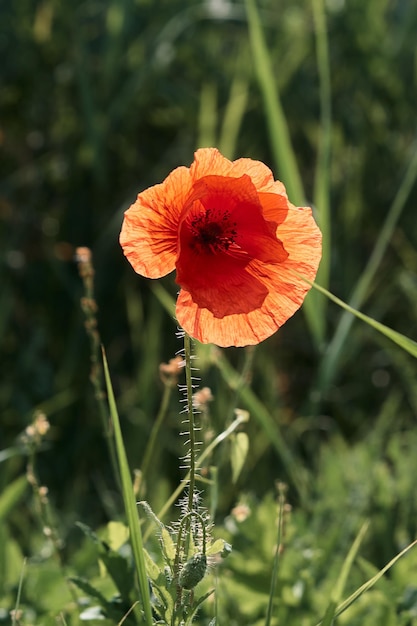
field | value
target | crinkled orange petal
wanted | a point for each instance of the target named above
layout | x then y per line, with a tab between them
209	161
217	278
238	292
286	290
240	277
150	226
238	198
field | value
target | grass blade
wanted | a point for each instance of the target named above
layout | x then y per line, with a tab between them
129	501
322	177
280	138
207	118
15	613
341	582
407	344
281	503
281	146
233	116
330	360
370	583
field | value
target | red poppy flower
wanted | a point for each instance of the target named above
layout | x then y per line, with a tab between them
237	244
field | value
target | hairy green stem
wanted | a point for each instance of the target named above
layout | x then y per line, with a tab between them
218	440
191	425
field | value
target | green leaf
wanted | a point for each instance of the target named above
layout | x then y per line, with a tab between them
168	544
238	453
370	583
11	496
106	609
154	572
89	532
88	589
196	606
118	568
116	535
216	547
116	565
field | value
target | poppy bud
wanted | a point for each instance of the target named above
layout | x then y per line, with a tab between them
193	571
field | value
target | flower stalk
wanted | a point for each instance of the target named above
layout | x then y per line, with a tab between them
191	422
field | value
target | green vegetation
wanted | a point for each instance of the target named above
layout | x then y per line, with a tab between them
309	441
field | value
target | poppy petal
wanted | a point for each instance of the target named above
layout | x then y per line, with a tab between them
233	330
260	174
209	161
150	226
241	250
285	290
238	200
223	228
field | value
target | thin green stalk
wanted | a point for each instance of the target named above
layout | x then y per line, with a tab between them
281	503
191	424
322	178
184	526
207	119
150	447
15	612
329	364
278	129
89	308
284	156
217	441
233	115
259	412
280	137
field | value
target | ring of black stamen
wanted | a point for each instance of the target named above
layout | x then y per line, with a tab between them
211	234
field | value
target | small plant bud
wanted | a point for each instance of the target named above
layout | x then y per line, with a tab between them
227	549
41	423
202	397
241	512
83	255
30	431
193	571
170	372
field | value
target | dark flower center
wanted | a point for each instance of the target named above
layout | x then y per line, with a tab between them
212	231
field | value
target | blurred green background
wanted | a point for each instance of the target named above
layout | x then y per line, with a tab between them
101	99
